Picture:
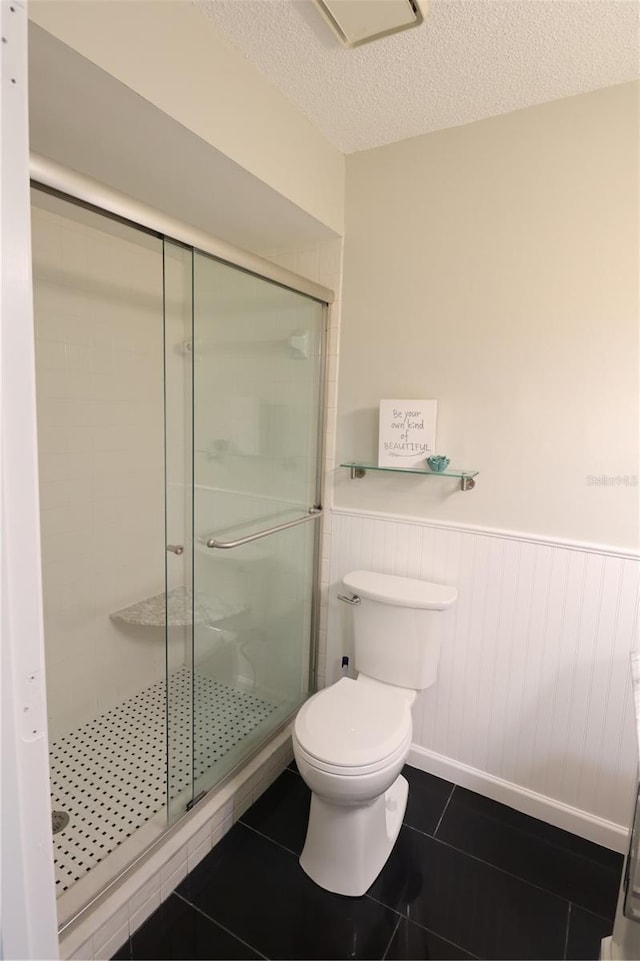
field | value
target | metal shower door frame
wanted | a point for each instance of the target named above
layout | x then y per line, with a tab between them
49	175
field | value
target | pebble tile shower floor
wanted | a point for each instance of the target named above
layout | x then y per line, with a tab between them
109	776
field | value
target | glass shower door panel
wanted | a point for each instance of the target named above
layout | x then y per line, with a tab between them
252	646
257	353
178	614
257	375
99	374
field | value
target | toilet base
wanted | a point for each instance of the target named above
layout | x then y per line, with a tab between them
347	847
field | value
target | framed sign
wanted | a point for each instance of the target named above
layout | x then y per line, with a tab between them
407	433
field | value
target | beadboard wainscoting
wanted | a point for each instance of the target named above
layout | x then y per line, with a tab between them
532	705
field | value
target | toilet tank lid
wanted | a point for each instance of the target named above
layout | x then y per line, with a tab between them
401	591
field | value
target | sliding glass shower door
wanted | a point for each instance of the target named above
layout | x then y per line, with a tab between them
179	403
243	399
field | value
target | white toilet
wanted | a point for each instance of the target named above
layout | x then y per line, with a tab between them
350	740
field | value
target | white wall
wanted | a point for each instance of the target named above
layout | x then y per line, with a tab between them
532	705
170	54
494	267
165	165
99	377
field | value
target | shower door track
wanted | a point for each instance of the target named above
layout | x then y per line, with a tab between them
50	176
47	173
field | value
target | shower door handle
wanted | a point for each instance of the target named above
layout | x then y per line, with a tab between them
311	515
175	548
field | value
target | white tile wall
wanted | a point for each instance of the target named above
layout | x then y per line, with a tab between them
99	375
533	688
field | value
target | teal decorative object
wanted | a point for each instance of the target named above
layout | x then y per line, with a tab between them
438	462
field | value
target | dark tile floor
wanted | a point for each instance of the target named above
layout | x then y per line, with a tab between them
468	878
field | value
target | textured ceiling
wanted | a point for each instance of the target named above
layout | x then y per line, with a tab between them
471	59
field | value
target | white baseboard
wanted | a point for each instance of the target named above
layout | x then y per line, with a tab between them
606	949
585	825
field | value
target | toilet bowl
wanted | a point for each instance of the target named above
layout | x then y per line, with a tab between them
351	740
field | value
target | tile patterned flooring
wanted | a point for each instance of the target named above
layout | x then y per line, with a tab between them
110	775
468	878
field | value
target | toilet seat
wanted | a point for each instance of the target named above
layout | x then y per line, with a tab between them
351	771
354	728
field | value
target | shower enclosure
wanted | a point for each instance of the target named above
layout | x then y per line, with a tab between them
180	432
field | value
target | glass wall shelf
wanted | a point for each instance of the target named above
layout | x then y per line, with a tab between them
467	482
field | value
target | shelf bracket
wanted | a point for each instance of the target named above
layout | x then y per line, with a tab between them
357	472
467	483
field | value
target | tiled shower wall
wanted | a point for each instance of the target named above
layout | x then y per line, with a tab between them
532	704
99	376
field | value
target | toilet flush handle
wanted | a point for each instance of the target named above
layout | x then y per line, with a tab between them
352	599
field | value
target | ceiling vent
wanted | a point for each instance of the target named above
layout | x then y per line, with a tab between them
360	21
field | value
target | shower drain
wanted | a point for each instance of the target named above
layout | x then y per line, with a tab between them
59	821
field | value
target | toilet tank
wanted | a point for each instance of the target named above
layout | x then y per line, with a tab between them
398	627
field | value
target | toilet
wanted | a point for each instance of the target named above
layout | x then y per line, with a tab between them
351	740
